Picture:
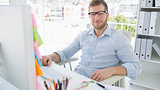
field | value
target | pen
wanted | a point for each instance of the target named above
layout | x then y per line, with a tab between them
50	88
65	88
67	81
54	84
45	84
63	83
44	77
101	86
58	84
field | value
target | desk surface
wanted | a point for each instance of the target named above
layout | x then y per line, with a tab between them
77	78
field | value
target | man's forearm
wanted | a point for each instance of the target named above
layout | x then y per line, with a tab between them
102	74
55	57
119	70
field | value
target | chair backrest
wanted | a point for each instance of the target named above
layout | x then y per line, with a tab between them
128	34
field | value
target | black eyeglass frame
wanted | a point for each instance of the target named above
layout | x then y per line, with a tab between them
96	12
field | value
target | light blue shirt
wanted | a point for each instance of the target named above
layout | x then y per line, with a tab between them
102	52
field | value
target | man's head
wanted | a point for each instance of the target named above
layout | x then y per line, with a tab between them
98	2
98	13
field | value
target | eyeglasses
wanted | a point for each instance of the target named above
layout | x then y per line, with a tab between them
99	13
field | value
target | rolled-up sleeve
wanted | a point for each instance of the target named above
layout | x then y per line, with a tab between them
126	55
69	51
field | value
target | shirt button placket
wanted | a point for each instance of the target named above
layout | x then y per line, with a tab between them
93	50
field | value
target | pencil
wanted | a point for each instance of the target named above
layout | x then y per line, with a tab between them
45	84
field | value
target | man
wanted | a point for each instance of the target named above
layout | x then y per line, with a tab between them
102	49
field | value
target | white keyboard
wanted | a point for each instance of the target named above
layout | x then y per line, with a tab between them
52	73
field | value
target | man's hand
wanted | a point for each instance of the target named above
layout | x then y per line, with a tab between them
102	74
46	60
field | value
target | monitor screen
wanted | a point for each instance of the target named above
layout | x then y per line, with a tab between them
17	64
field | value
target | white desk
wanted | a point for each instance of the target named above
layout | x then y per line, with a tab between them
77	78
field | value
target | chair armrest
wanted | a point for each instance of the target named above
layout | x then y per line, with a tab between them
113	79
67	61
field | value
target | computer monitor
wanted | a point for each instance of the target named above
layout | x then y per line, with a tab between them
17	62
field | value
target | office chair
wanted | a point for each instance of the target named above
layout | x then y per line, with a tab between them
118	80
128	34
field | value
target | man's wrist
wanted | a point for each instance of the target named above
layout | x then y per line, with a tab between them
113	70
55	57
50	56
118	70
56	53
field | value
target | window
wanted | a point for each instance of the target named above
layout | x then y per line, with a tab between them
59	21
4	2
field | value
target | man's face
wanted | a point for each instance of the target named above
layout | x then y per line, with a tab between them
98	16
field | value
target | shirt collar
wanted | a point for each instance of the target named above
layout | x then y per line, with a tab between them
106	32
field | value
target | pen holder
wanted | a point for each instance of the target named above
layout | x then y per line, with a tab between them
57	84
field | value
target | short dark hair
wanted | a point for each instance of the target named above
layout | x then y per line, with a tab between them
98	2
